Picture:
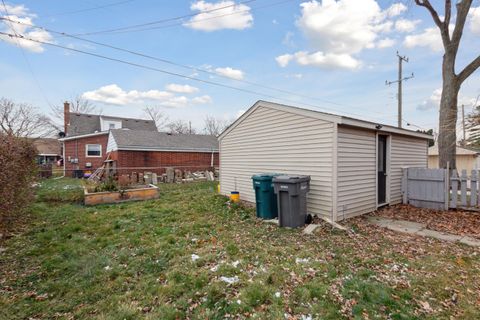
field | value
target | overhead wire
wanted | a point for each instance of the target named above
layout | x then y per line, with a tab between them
175	74
108	5
205	19
27	61
167	61
190	15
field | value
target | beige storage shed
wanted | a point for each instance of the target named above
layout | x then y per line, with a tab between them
355	165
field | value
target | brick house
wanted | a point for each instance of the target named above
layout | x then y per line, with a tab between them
137	150
90	139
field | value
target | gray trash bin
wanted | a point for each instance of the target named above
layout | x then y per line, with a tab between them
291	194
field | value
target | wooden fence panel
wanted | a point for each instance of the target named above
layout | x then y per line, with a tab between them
425	188
432	188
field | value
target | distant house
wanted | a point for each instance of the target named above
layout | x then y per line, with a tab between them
135	144
355	165
156	150
49	150
466	159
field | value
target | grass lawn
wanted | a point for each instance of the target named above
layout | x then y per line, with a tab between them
190	254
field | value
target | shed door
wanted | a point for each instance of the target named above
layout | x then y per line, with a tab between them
382	169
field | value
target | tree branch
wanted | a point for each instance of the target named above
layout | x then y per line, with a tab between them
462	11
469	69
448	13
442	25
426	4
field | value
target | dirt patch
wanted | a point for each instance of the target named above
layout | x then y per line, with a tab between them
465	223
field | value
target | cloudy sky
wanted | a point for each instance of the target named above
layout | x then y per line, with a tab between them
197	58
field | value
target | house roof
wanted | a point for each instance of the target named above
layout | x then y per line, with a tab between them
433	151
339	119
81	124
161	141
47	146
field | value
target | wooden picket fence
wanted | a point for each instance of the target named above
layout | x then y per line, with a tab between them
464	190
434	189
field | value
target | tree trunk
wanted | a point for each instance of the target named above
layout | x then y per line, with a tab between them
447	138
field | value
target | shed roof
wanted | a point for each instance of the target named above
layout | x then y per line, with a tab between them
161	141
339	119
461	151
81	123
47	146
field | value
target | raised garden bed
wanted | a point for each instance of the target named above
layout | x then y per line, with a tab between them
133	193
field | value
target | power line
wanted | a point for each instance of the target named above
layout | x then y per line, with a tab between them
27	62
178	64
164	20
206	19
87	9
172	73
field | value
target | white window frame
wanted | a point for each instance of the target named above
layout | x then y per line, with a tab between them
93	144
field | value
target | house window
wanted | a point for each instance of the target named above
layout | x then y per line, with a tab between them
94	150
111	125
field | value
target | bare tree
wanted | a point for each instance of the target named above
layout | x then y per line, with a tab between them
473	126
452	81
214	126
158	116
23	120
77	105
180	126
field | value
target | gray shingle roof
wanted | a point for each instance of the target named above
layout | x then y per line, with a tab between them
90	123
47	146
149	140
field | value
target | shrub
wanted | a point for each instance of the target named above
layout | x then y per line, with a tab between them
17	172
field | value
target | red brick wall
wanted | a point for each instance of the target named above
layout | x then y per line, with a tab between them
192	161
76	149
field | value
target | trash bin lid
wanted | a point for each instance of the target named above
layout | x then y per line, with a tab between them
264	176
291	178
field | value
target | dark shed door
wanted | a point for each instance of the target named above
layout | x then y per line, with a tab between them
382	169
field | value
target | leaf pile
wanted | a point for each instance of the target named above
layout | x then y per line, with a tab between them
459	222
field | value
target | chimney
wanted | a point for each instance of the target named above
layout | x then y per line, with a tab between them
66	115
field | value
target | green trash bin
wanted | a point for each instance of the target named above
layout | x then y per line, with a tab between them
265	197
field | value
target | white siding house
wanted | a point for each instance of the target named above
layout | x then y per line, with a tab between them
341	154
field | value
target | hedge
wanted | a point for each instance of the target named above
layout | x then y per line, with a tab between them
17	173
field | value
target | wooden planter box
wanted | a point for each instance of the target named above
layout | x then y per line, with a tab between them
94	198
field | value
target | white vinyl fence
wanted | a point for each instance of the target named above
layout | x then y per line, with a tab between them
434	189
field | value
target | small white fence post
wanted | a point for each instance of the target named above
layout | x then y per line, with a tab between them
454	182
473	189
447	186
463	186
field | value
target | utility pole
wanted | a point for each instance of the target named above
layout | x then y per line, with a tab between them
399	81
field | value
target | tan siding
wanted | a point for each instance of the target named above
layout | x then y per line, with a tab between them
464	162
405	152
356	172
270	140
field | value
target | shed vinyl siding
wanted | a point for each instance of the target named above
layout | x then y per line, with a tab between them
405	152
356	172
271	140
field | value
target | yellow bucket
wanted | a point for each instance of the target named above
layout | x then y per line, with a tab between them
235	196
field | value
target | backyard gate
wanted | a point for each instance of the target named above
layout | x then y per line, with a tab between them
425	188
434	189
